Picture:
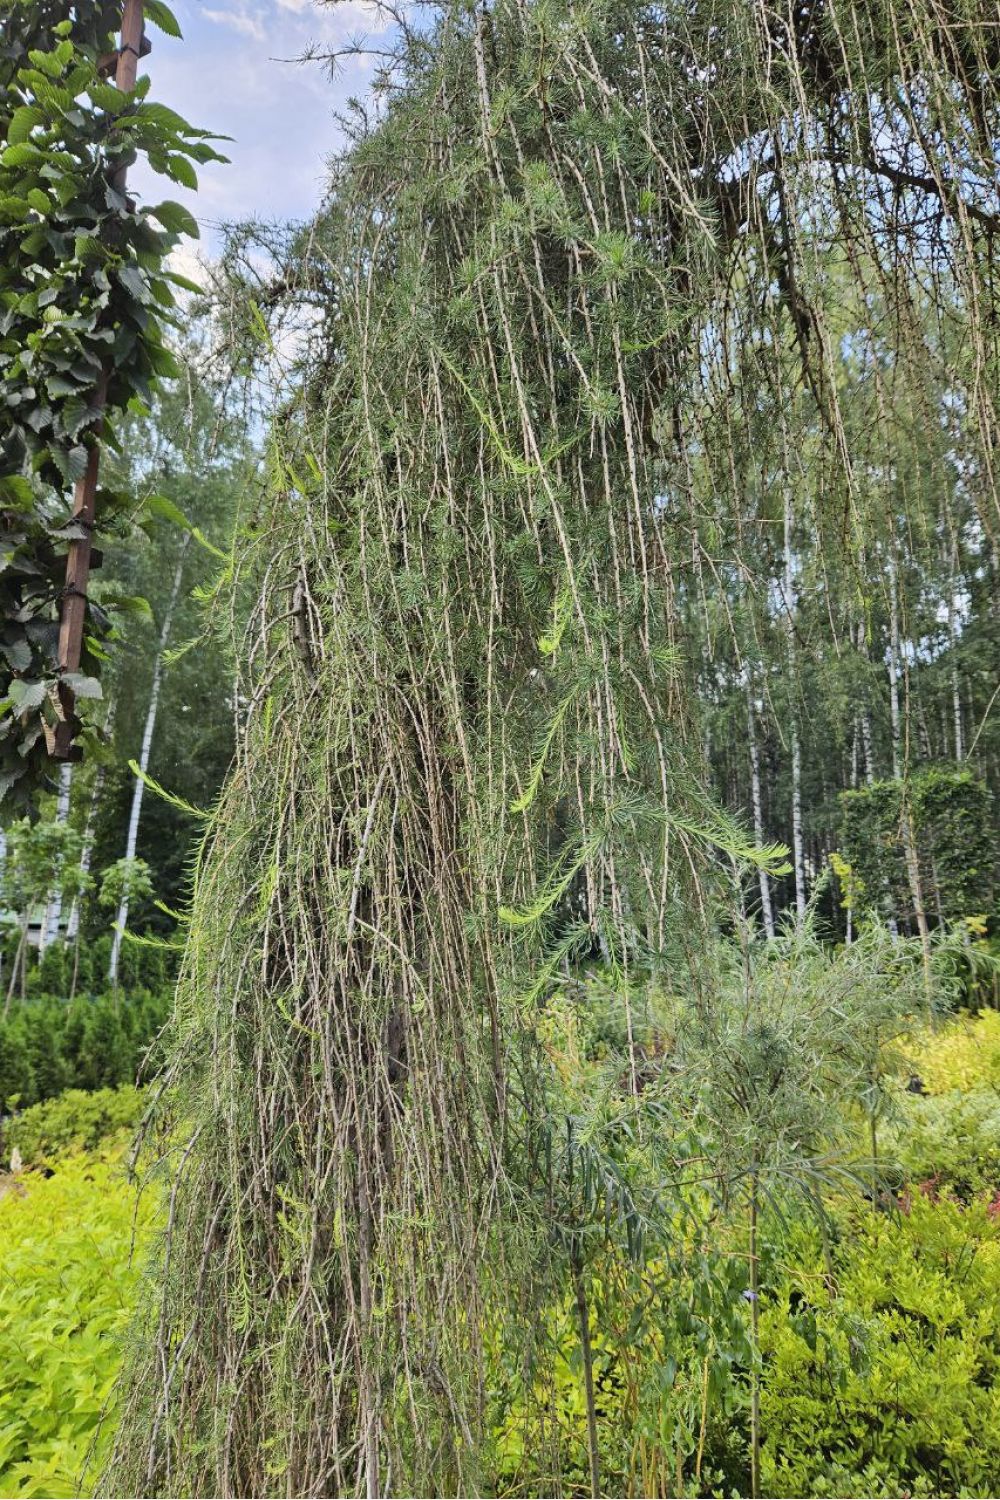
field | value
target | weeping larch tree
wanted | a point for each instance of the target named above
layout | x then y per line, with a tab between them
606	299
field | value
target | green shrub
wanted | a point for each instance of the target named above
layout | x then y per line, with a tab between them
17	1080
53	972
47	1045
966	1055
67	1285
884	1383
951	1142
75	1121
950	814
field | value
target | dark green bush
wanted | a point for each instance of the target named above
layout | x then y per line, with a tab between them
950	812
91	1042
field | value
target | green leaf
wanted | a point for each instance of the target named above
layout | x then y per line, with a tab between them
22	154
179	169
176	218
183	281
72	464
129	604
17	490
48	62
25	695
23	121
82	686
162	16
162	362
40	201
159	505
108	98
18	654
131	278
164	118
76	414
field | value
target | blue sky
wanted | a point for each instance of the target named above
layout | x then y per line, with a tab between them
231	74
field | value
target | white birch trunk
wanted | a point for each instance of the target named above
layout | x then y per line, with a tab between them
798	858
767	911
956	696
864	717
121	919
897	764
53	908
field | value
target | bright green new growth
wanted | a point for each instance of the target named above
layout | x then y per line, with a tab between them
597	269
73	1250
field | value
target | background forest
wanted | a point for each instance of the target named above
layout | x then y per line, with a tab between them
508	999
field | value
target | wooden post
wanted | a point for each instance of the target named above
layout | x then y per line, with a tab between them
74	603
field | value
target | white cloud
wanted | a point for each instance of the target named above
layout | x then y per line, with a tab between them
185	261
234	73
239	20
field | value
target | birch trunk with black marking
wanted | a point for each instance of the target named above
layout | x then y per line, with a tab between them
131	840
53	907
893	668
953	639
798	856
767	910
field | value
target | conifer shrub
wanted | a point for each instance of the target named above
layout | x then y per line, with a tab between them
92	1042
950	809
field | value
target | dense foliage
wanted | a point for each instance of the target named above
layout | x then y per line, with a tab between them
881	1380
71	1252
93	1042
612	345
85	295
74	1121
877	1345
954	837
532	1119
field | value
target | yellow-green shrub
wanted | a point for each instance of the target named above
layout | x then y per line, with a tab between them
66	1288
74	1121
964	1055
888	1381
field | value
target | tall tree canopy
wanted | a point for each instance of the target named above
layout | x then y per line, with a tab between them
609	300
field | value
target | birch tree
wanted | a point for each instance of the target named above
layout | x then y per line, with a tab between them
132	836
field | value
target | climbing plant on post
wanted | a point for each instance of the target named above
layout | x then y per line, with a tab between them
86	301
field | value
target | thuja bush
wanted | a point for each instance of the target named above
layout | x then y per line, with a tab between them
82	967
93	1042
950	811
